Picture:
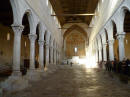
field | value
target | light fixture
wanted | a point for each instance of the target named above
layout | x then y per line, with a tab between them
126	41
75	49
8	36
25	43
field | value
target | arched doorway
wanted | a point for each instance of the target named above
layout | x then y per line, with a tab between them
127	36
107	47
50	50
6	39
102	48
116	45
75	44
45	49
75	41
37	47
54	52
25	45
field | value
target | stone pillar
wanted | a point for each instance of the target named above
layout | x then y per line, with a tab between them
16	82
32	74
41	53
121	46
100	54
96	55
47	55
111	50
32	38
51	55
58	57
104	52
17	49
54	55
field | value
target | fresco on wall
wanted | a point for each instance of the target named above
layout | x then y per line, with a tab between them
75	40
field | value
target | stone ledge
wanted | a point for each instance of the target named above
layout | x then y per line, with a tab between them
33	75
13	84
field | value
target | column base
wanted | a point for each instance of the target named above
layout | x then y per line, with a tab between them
51	68
33	75
14	83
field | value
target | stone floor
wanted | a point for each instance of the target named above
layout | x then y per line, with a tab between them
76	81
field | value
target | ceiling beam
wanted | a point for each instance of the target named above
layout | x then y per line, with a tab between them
87	14
68	28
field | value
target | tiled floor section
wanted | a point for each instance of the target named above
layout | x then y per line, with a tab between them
76	81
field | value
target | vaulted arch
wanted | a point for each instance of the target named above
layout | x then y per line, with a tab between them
75	27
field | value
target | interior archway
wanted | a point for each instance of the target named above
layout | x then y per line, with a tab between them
50	50
102	48
107	48
116	45
127	36
75	39
6	39
37	47
45	49
25	45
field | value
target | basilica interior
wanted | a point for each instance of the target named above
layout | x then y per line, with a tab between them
65	48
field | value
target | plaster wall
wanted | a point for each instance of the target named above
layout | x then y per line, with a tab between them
44	11
6	46
103	13
75	39
127	45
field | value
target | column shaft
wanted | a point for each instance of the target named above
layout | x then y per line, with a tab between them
41	52
111	50
121	46
17	49
51	55
104	52
47	54
32	38
100	54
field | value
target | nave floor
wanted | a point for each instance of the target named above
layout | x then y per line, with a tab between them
76	81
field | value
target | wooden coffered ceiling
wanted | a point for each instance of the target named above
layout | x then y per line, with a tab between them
74	7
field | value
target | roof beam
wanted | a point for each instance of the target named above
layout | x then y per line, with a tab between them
68	28
87	14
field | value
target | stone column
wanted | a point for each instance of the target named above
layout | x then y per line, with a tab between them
111	50
100	54
16	82
96	55
51	55
47	55
17	49
32	74
54	56
121	46
58	57
41	53
32	38
104	52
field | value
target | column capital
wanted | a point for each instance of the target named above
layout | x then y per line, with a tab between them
18	29
110	42
47	45
41	43
121	36
104	44
51	47
54	48
32	37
